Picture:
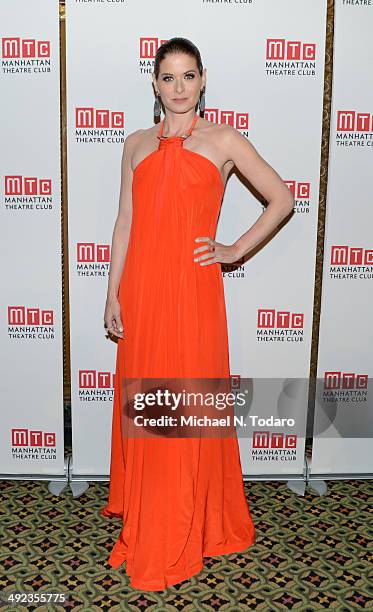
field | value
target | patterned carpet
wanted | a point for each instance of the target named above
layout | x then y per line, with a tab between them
311	553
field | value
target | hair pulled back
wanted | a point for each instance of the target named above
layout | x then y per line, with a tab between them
177	45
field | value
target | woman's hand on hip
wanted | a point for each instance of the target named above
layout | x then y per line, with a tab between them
214	252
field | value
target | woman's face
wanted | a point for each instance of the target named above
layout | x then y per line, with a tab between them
179	82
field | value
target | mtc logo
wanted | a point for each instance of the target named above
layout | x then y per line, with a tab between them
281	49
240	121
98	118
91	379
91	252
265	439
351	121
345	255
300	191
27	185
20	315
25	47
29	437
345	380
149	47
283	319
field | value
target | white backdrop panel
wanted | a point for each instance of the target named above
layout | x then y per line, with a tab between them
343	427
30	237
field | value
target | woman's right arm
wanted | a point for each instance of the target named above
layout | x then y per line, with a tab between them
120	240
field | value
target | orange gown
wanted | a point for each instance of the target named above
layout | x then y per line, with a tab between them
180	499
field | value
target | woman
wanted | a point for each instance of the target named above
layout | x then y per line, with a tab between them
180	498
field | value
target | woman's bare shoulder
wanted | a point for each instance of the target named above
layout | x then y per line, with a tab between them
140	139
223	128
141	134
215	132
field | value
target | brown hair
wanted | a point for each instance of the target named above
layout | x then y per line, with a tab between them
177	45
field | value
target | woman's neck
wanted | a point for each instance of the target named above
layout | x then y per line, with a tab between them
176	124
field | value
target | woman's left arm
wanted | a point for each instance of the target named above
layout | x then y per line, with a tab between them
266	181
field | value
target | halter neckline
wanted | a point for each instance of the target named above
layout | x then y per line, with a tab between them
177	137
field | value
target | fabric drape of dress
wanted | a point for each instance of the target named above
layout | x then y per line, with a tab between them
180	498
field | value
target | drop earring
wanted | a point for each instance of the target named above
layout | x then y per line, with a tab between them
202	102
157	106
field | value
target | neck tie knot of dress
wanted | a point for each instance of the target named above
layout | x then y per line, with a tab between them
176	141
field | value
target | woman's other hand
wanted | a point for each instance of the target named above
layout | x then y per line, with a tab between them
112	317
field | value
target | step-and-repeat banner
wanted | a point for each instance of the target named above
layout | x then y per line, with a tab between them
265	66
343	427
31	436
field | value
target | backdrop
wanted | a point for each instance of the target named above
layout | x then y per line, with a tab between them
31	435
265	64
265	67
344	417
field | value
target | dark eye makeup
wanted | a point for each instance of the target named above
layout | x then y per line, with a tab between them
189	74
